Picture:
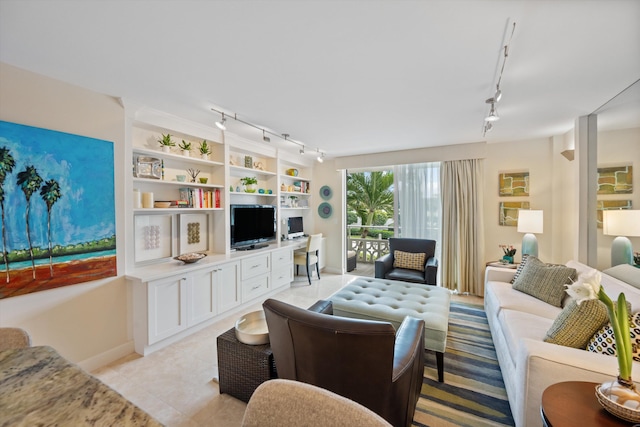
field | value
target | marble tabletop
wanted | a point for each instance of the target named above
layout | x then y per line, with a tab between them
40	387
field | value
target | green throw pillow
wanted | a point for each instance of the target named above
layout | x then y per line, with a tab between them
576	323
544	281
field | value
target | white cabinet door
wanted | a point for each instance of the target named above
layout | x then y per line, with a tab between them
201	297
227	283
167	307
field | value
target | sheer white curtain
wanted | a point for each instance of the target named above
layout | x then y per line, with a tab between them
418	202
462	264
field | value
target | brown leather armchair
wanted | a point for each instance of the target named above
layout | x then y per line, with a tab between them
385	269
365	361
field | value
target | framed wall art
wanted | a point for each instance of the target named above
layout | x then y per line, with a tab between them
152	237
615	180
58	211
513	184
508	213
193	233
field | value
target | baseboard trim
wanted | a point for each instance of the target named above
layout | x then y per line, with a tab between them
102	359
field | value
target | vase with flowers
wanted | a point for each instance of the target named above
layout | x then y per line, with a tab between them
636	259
619	397
509	253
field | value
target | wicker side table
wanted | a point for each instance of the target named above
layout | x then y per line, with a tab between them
241	367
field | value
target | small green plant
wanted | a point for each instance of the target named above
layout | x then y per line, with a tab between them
184	145
247	180
166	141
205	148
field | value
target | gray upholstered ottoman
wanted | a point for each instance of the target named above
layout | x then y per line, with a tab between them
392	301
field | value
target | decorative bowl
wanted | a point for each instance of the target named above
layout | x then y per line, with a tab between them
252	328
292	172
190	257
161	204
617	409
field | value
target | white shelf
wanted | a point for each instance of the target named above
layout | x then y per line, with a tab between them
177	183
172	210
163	155
295	178
294	193
242	171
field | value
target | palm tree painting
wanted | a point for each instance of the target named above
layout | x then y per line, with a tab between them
67	234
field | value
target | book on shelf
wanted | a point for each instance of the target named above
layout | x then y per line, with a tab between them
199	198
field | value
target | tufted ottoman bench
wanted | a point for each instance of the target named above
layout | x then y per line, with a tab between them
392	301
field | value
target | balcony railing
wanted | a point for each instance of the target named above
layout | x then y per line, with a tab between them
369	250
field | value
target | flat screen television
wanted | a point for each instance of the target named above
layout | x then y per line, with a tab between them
252	226
295	227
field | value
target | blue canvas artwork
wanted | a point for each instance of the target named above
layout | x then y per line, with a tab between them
57	209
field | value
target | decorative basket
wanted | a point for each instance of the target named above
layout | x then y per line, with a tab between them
616	409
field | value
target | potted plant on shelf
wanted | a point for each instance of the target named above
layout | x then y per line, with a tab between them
185	147
205	150
250	184
166	143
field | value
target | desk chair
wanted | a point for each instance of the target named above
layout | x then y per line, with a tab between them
310	256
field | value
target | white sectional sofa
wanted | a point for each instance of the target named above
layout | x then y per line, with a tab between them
518	324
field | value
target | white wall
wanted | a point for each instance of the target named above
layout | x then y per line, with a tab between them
331	228
88	323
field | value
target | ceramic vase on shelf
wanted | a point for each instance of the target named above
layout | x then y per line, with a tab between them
620	398
507	259
166	149
250	188
186	153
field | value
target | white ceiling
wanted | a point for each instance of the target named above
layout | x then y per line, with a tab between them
345	77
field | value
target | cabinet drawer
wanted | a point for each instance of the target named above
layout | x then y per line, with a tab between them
282	276
281	258
255	266
255	287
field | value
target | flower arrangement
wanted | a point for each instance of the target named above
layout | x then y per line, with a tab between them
508	250
636	258
588	287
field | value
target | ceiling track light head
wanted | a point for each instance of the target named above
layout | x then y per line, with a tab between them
498	94
493	114
265	138
285	136
302	150
220	124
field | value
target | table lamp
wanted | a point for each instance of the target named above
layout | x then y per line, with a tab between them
623	224
530	222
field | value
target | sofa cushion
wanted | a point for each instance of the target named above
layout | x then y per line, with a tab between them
500	296
543	281
576	323
517	326
603	341
409	260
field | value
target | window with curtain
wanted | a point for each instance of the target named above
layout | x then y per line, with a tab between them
419	211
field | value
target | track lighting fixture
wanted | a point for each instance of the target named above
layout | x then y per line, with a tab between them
220	123
493	112
320	157
265	137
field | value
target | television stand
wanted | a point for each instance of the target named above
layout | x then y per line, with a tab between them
251	247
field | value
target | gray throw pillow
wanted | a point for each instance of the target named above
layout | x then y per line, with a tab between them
543	281
576	324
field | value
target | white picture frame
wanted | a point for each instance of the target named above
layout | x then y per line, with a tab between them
152	237
194	233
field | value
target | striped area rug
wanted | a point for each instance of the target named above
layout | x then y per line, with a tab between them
473	393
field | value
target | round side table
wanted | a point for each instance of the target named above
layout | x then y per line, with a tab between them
574	403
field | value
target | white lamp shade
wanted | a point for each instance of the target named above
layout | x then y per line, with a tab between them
622	222
530	221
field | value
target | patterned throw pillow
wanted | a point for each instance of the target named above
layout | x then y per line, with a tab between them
409	260
520	267
576	324
604	342
543	281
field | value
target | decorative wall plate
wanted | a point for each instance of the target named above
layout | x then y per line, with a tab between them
326	192
325	210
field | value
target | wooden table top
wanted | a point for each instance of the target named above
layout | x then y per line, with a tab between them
574	403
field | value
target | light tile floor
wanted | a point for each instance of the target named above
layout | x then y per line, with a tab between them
176	384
